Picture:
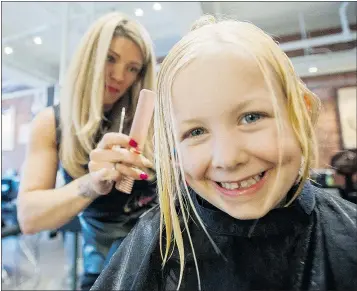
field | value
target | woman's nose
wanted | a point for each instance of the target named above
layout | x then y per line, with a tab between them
118	73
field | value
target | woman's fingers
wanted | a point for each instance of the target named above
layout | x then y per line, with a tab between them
134	157
96	166
114	171
116	156
120	155
111	139
134	173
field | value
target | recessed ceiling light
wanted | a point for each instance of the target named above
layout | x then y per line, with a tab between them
313	70
37	40
139	12
8	50
157	6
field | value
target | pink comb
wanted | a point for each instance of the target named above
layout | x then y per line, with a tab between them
139	130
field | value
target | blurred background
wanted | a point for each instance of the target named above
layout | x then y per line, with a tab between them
39	38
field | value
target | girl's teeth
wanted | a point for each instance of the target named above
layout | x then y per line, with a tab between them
251	182
257	178
243	184
230	186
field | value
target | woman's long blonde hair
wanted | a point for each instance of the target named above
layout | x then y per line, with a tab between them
82	94
302	106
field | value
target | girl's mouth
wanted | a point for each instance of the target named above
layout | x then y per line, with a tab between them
244	187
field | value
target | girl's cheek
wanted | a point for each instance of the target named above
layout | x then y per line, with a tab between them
195	161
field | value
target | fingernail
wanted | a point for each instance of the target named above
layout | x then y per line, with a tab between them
133	143
144	176
134	150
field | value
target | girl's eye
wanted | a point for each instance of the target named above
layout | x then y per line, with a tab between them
251	118
110	59
194	133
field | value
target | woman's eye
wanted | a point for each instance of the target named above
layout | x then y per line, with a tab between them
110	59
251	118
134	70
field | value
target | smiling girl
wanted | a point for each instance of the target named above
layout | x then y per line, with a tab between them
234	142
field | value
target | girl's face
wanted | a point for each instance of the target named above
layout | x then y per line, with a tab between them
226	131
122	69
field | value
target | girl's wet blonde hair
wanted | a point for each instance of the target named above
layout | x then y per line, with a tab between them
302	106
82	94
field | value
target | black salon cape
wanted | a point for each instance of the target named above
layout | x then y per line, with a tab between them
311	245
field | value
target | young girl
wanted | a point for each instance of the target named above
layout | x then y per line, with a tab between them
234	142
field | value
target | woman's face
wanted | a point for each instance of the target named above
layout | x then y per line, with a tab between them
227	134
122	69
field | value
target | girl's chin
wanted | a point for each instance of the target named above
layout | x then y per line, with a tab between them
248	214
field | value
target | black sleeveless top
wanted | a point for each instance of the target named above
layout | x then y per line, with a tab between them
115	206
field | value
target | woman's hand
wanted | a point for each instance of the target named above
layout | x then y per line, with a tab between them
115	156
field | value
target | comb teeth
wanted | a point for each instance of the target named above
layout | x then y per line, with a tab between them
126	185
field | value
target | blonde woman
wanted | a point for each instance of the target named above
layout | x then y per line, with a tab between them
234	142
114	61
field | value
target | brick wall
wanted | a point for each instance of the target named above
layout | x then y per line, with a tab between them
328	127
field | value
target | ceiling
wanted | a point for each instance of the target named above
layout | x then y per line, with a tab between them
282	18
32	65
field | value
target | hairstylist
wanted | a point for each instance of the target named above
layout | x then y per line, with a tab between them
114	61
